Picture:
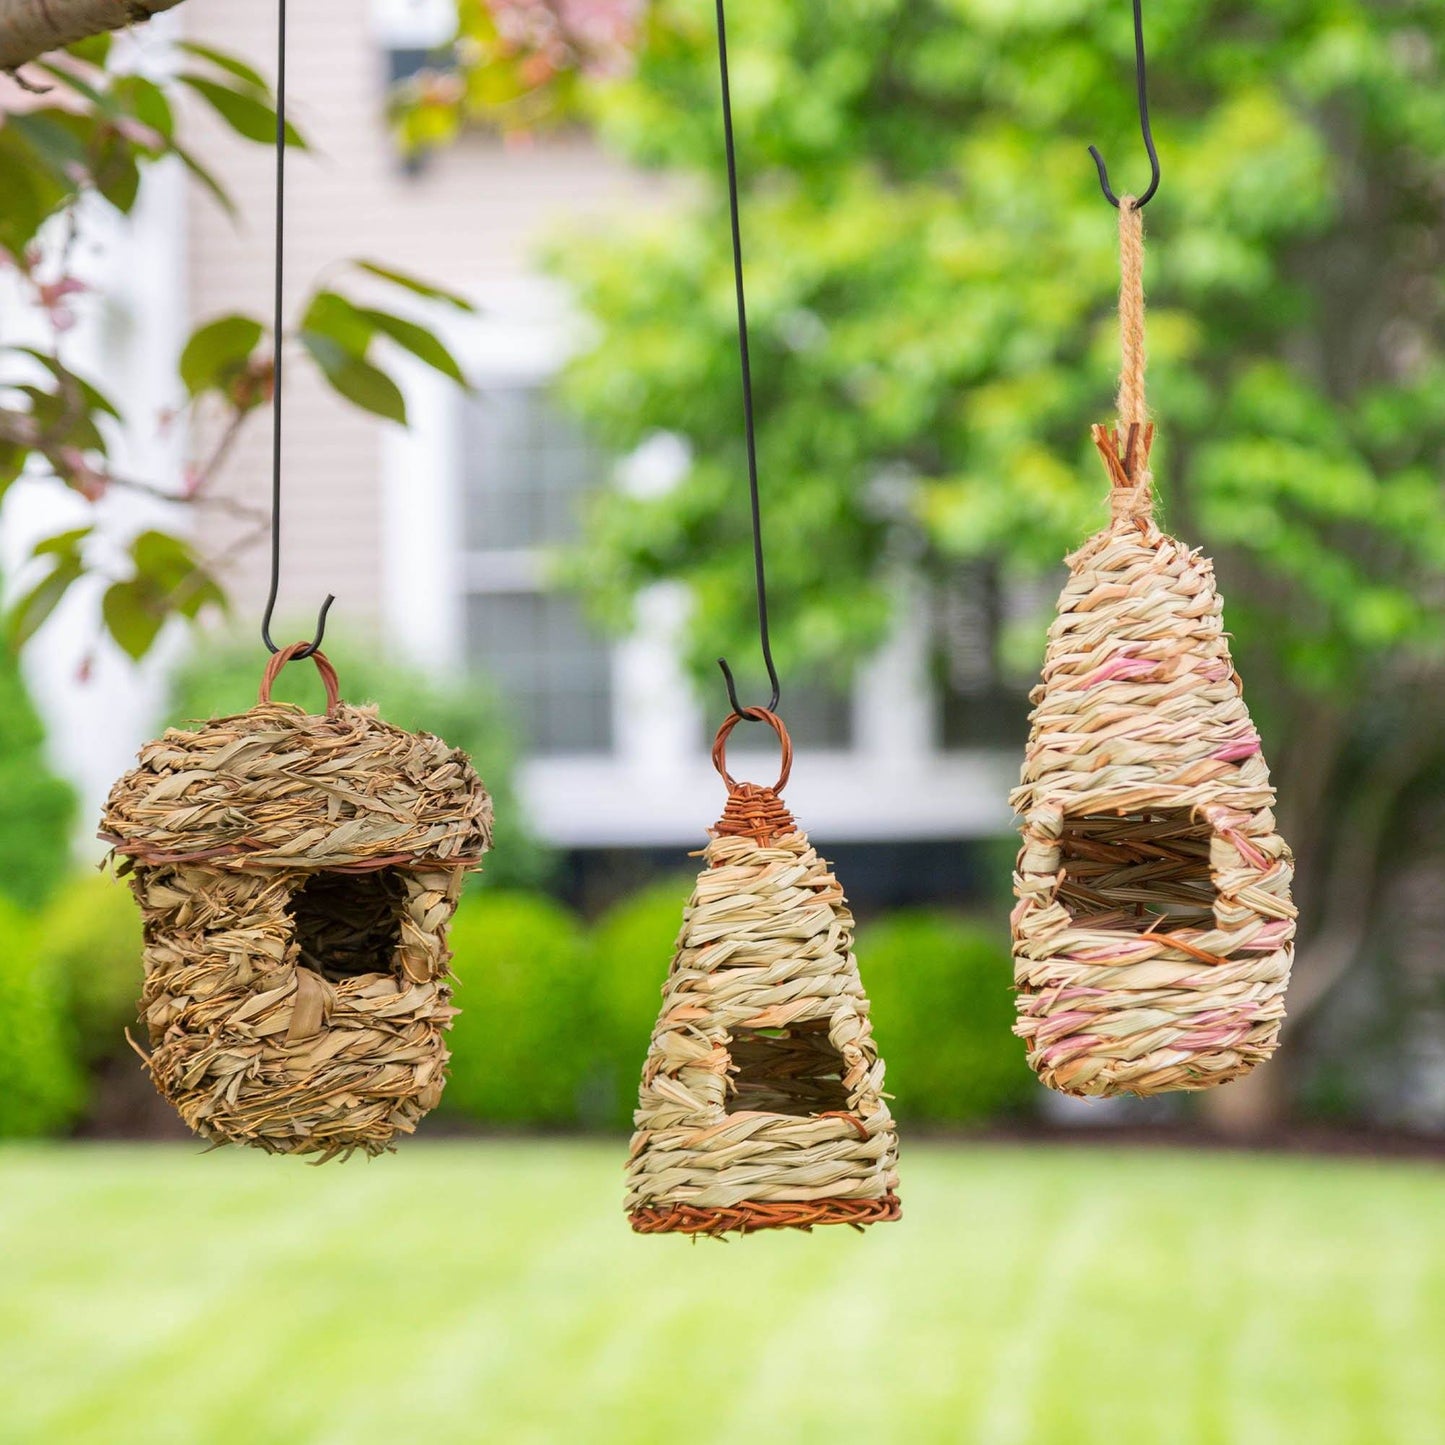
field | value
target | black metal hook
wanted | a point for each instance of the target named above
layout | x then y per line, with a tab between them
749	427
1141	201
277	322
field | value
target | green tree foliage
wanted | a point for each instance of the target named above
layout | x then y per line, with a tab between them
36	807
222	680
931	275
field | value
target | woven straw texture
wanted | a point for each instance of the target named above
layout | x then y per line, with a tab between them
296	874
762	1096
1154	930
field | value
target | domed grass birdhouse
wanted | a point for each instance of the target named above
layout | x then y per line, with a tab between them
1154	930
762	1102
296	874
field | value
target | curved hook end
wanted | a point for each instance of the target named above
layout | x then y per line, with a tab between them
316	641
1139	201
748	712
1104	177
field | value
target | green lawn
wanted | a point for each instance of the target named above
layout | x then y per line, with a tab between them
491	1292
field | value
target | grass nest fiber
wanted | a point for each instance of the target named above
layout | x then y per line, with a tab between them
1154	930
296	874
762	1103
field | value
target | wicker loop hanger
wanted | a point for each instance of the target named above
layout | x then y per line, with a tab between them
296	650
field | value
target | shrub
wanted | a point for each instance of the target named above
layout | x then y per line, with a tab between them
36	807
221	681
632	946
92	937
522	1045
943	1015
41	1088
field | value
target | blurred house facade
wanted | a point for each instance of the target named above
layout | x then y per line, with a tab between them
437	540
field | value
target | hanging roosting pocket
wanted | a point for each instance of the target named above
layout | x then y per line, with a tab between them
296	874
1153	932
762	1100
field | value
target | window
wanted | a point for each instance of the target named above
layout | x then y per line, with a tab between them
980	704
526	470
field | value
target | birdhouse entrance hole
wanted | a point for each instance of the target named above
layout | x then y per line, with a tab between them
348	924
1147	872
793	1071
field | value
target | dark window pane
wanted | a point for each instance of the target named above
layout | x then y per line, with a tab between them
536	648
979	706
526	466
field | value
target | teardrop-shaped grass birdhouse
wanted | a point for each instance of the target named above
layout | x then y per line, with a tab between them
762	1101
1154	930
296	874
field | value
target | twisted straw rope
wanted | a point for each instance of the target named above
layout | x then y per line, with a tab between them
1133	494
766	945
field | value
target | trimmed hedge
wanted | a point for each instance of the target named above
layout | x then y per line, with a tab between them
943	1014
632	946
522	1047
41	1086
92	934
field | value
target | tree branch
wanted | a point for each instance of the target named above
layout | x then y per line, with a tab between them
29	28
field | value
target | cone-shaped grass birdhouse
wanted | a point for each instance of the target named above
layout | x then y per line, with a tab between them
762	1100
1153	932
296	874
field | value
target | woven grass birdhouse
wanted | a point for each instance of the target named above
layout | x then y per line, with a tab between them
1153	932
762	1102
296	874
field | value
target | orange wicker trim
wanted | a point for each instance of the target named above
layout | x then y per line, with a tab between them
755	812
1126	453
749	1218
323	666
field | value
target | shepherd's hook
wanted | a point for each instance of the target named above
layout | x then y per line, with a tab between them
1144	129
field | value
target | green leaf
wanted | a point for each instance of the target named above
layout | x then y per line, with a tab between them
164	559
219	193
95	399
31	187
246	114
418	340
82	87
229	63
332	315
117	176
413	284
29	613
147	102
356	379
94	49
217	351
55	137
132	616
62	543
